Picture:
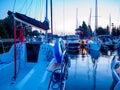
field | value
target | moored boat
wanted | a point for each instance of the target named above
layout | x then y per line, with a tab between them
35	75
94	44
117	87
115	67
73	44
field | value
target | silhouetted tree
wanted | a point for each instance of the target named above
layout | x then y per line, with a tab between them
6	28
85	28
114	31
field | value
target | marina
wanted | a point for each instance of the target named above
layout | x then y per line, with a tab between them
41	48
88	72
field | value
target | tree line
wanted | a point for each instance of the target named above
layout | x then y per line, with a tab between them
88	32
7	28
7	24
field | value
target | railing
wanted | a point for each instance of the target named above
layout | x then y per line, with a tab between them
59	76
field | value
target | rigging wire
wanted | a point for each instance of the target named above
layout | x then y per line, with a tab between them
36	14
14	5
23	6
29	7
41	7
36	9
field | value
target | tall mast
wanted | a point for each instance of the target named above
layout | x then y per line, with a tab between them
89	23
96	16
76	17
110	23
51	19
46	19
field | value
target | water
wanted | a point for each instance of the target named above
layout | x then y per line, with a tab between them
87	73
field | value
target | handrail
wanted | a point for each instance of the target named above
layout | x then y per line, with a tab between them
63	73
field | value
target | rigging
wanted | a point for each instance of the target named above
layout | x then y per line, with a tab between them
14	5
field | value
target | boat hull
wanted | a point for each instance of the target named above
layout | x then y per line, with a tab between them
115	66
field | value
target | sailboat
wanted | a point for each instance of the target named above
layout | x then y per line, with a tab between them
94	43
19	71
115	67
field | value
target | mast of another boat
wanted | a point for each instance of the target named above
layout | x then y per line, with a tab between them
76	17
89	22
110	24
96	18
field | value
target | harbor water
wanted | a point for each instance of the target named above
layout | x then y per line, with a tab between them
87	73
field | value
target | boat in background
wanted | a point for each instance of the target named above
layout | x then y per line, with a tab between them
107	44
94	44
73	44
115	67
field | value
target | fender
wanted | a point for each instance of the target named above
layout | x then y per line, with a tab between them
59	48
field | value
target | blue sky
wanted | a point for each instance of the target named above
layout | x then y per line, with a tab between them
64	12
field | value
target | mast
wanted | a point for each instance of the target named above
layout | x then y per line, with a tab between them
110	23
76	18
96	17
51	19
46	19
89	23
14	27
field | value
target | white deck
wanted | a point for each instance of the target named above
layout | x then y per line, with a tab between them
32	76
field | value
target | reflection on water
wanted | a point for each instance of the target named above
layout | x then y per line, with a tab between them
88	65
94	55
94	58
94	73
91	72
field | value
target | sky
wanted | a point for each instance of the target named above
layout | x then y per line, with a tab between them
64	12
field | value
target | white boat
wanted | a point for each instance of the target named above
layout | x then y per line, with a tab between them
34	75
94	42
115	66
94	45
73	44
117	87
19	71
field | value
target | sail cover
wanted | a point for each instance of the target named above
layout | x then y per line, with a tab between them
21	17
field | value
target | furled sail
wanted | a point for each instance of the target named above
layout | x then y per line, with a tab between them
25	19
